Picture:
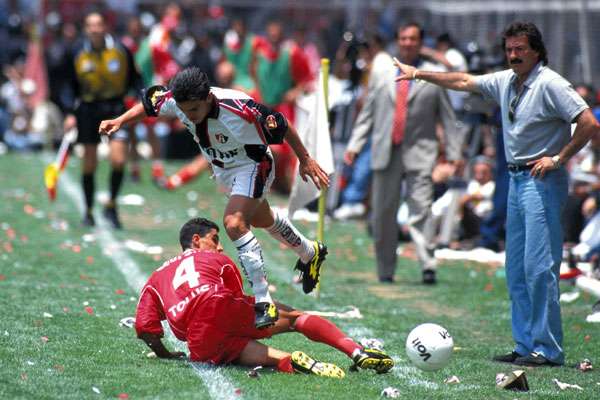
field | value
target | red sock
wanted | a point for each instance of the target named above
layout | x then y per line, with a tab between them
186	175
321	330
180	178
285	365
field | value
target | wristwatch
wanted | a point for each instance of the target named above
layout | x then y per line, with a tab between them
556	161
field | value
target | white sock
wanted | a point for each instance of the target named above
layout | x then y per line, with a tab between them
286	233
251	259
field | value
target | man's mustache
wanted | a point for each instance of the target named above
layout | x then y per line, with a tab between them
516	61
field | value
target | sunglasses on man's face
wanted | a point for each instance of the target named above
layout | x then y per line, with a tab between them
512	107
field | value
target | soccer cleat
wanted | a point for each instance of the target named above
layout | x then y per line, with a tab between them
265	315
535	360
111	215
88	220
303	363
311	271
507	358
372	359
429	277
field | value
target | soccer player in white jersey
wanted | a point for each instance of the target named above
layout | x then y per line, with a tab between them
234	133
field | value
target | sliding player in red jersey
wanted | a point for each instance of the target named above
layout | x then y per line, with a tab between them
234	134
200	294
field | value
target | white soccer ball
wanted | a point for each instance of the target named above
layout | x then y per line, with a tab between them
429	347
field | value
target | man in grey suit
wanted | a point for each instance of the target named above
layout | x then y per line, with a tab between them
401	119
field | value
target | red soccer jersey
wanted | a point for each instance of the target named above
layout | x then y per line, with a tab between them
179	285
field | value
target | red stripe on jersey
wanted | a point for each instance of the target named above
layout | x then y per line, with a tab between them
259	130
246	116
262	175
257	114
161	100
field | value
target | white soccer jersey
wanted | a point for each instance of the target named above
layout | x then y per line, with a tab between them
236	132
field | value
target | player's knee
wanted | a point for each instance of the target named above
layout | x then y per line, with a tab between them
235	225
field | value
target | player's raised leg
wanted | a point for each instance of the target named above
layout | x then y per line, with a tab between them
311	253
238	214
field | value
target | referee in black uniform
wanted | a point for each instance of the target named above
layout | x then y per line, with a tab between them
103	72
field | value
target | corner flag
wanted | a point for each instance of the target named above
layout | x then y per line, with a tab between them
315	135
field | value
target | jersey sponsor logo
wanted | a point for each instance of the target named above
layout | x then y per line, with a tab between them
221	138
221	155
179	307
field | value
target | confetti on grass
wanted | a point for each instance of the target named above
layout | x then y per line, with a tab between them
563	385
390	392
452	380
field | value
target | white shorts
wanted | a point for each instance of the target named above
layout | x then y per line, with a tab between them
250	180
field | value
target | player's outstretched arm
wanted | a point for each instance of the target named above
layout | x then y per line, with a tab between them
134	114
153	341
308	167
449	80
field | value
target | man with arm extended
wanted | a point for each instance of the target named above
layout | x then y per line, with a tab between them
538	107
400	121
201	296
234	133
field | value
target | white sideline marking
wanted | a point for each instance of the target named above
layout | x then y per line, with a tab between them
219	387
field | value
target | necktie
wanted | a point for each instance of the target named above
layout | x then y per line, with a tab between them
400	114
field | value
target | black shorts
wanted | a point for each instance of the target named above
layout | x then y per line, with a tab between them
89	116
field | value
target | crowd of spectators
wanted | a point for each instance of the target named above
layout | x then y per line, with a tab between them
469	201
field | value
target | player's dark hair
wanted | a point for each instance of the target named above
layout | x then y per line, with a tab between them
94	12
190	84
200	226
411	24
534	36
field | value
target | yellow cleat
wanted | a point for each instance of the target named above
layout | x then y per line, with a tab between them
265	315
311	271
303	363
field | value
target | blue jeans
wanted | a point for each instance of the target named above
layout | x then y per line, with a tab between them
492	227
533	254
358	185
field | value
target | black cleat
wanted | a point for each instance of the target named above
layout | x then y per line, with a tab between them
535	360
372	359
111	215
88	220
429	277
311	271
507	358
265	315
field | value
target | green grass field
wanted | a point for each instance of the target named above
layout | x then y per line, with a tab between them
64	290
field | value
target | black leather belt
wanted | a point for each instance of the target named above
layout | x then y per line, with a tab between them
519	167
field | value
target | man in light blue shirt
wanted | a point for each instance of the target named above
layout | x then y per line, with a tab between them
538	107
